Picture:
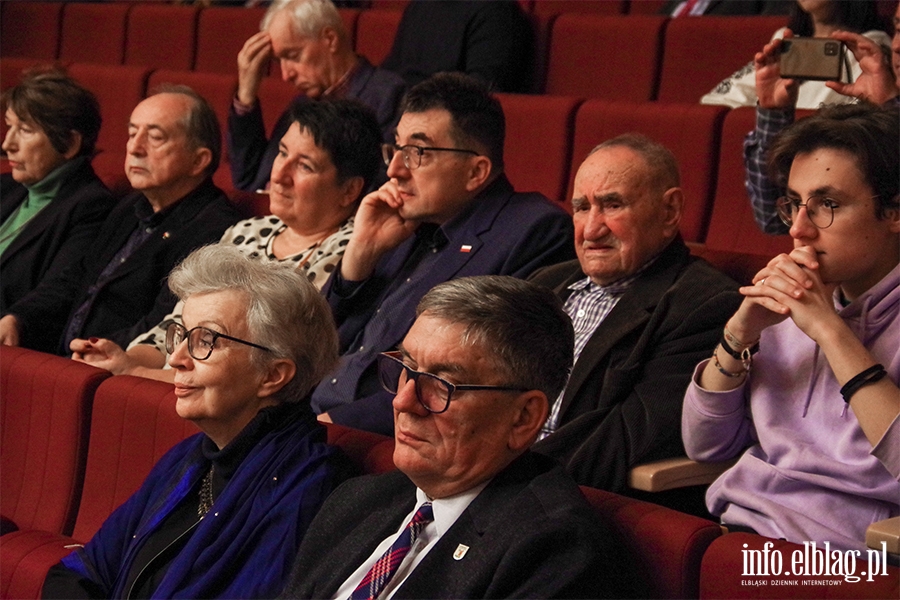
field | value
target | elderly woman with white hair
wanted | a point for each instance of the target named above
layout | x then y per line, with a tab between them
223	512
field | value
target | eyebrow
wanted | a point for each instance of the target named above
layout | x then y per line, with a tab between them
422	137
820	191
438	369
151	126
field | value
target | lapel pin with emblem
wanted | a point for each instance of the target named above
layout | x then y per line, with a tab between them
465	248
460	552
166	235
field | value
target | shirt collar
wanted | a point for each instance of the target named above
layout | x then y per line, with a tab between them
447	510
617	287
339	88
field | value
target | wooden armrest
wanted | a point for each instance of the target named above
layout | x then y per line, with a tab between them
887	531
672	473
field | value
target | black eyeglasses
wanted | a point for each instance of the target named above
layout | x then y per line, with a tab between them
200	340
412	154
433	392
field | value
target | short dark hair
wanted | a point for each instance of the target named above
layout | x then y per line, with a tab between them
870	133
201	124
660	161
58	105
858	16
348	131
477	116
522	324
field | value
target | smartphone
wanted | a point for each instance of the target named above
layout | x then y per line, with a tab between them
812	58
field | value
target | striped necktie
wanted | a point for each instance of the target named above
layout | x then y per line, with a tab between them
386	566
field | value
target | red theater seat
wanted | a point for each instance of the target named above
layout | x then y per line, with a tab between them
369	452
375	32
690	131
724	564
119	88
94	32
221	33
161	36
732	228
661	549
537	152
45	408
133	424
30	29
698	53
614	58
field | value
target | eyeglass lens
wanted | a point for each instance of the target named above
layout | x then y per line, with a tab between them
200	340
431	391
819	209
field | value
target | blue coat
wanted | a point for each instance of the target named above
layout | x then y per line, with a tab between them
245	545
501	233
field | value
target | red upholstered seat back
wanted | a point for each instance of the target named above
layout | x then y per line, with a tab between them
699	53
614	58
94	32
45	412
732	228
537	152
375	32
690	131
661	549
161	35
369	452
30	29
133	425
221	33
724	564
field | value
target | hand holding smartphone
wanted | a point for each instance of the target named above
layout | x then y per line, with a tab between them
820	59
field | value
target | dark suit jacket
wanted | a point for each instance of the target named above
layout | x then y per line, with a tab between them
56	237
252	155
530	534
136	297
622	404
501	233
728	7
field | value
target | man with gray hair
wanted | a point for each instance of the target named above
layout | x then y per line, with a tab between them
315	54
645	312
118	290
471	512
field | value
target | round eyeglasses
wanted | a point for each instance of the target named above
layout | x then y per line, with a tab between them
819	209
432	392
200	340
412	153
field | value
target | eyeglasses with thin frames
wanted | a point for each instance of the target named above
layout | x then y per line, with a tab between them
432	392
819	208
412	153
201	341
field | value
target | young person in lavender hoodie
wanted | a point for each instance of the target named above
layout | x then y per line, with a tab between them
818	404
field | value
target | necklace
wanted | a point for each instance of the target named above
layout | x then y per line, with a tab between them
206	496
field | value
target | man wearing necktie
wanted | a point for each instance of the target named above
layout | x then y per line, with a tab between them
471	512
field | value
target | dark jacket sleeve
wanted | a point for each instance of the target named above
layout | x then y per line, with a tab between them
629	407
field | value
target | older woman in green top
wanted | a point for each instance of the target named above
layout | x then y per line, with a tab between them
51	201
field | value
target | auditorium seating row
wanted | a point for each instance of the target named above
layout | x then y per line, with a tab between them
602	54
547	138
75	442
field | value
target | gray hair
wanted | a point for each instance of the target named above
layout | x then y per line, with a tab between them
661	163
522	324
285	312
200	123
309	17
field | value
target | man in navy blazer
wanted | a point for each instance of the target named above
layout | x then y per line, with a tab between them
472	380
448	211
118	290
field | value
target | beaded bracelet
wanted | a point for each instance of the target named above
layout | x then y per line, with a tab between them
744	361
871	375
734	342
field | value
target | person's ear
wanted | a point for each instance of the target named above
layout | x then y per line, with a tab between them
673	208
351	190
74	148
893	217
532	408
278	373
202	160
479	171
330	37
